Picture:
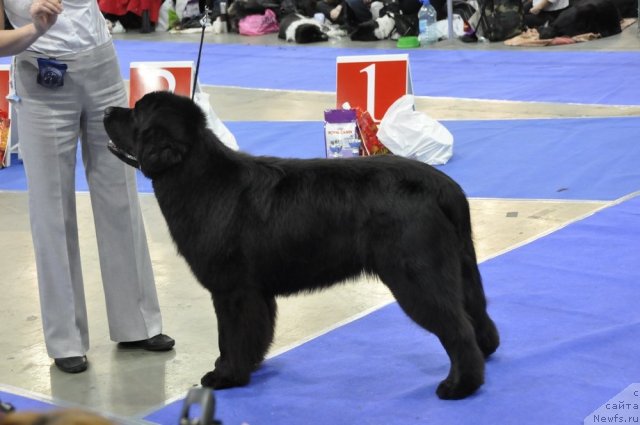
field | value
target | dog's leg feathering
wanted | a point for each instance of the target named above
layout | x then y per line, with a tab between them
246	323
427	294
476	306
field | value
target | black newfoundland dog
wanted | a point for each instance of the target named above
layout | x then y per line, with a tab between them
585	16
253	228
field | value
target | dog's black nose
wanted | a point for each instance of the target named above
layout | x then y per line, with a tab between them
108	110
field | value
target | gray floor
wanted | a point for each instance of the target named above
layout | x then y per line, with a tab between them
131	383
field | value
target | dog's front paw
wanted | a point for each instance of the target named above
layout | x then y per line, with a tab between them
218	381
450	389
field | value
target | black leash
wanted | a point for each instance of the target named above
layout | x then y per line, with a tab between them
204	21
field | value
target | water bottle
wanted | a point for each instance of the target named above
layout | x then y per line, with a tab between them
427	18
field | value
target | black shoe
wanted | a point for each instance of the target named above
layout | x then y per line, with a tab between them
75	364
469	38
160	342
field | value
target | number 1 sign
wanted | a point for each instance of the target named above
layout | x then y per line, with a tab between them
372	82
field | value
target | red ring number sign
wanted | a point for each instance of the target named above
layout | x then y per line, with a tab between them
5	115
372	82
145	77
4	87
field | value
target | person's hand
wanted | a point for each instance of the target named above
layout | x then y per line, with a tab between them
535	10
44	14
335	13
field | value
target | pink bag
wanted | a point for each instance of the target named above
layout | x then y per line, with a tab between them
258	24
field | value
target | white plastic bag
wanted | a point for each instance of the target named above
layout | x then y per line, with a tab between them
214	123
163	16
412	134
442	27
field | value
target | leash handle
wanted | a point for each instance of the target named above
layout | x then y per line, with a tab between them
204	21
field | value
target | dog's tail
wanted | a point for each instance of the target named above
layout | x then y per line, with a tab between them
455	206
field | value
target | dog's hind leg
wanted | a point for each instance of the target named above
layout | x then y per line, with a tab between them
476	305
246	323
432	298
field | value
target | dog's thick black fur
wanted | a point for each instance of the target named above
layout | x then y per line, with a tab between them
585	16
253	228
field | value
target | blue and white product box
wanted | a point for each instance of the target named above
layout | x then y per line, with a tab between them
341	136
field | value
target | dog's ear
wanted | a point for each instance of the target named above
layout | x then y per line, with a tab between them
167	126
159	150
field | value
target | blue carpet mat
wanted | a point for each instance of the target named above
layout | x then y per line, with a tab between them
569	332
579	159
575	77
594	159
527	75
25	403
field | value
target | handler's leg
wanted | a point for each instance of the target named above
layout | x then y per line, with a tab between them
48	130
129	287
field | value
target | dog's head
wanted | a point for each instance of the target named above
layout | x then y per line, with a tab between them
310	33
157	133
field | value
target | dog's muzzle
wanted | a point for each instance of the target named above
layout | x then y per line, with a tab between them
123	156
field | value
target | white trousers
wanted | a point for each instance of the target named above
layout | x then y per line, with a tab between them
50	123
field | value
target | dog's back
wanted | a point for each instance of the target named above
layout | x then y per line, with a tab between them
313	208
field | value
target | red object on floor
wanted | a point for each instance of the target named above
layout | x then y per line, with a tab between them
371	145
121	7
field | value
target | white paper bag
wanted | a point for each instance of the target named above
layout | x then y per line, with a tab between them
412	134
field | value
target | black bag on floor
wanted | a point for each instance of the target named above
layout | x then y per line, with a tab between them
501	19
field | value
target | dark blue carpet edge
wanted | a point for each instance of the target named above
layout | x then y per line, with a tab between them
24	401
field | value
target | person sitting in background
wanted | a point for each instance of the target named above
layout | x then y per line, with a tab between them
332	10
43	15
130	14
538	12
357	12
361	11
